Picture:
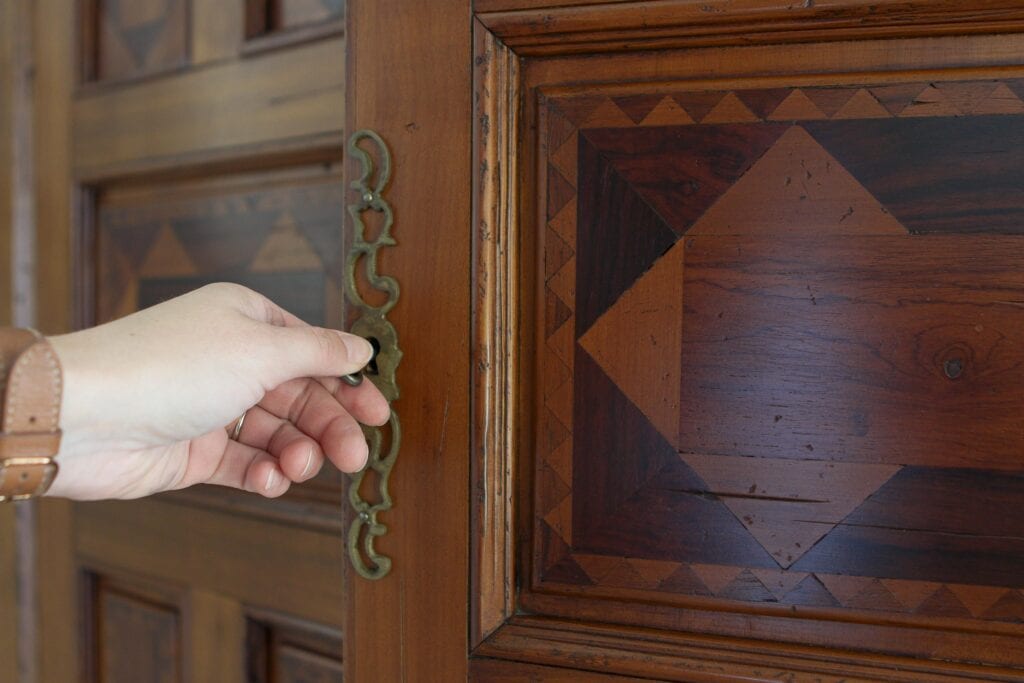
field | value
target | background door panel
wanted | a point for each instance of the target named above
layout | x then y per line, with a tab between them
186	142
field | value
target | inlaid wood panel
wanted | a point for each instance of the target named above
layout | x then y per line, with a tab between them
136	633
134	38
279	233
780	362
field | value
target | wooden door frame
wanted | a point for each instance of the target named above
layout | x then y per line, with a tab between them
9	639
54	41
27	31
410	80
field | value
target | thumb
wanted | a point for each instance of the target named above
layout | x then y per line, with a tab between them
319	352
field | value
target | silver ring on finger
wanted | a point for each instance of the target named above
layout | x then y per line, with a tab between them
236	431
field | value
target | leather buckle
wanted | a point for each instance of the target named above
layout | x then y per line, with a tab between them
26	477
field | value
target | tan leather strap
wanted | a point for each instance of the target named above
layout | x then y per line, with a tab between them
30	395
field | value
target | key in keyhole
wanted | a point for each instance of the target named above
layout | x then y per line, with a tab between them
356	378
371	367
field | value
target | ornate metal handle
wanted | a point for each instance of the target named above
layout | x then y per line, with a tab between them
373	324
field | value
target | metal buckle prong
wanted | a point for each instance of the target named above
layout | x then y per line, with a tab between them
8	465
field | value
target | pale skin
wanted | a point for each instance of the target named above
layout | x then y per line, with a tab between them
148	399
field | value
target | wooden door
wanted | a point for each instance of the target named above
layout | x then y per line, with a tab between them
181	142
745	385
14	76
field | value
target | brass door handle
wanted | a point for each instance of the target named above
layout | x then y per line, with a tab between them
373	325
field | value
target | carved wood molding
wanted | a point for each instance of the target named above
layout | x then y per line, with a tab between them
827	633
701	658
665	24
495	313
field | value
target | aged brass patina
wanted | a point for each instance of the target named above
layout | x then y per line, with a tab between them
372	323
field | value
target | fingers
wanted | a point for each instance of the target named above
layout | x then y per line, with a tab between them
301	420
365	402
299	456
285	439
317	413
250	469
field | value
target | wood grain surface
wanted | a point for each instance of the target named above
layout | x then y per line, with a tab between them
881	303
416	93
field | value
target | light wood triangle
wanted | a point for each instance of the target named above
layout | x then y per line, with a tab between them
797	187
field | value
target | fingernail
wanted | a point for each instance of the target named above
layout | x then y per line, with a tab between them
271	480
366	457
309	462
359	350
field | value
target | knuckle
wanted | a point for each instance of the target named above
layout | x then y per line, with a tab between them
234	295
224	290
326	344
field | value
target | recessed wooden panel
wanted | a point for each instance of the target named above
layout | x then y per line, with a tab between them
270	16
135	635
297	12
134	38
780	364
214	552
279	233
292	652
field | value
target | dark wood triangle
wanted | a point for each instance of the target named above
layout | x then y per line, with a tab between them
559	128
134	242
763	102
811	592
698	104
560	191
555	313
830	100
1010	607
556	558
218	245
684	580
896	98
748	588
637	107
943	603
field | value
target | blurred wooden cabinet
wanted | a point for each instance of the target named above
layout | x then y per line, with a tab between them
181	142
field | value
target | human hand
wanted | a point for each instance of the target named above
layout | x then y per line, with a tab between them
147	398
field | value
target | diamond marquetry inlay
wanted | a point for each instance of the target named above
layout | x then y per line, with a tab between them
750	300
788	505
797	186
637	342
